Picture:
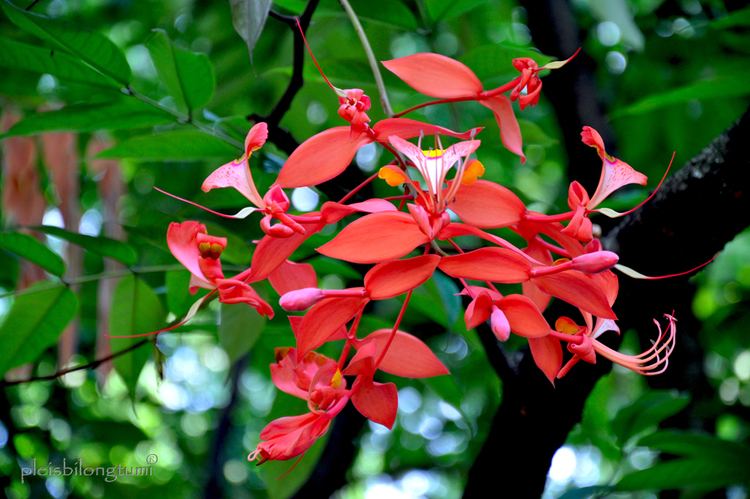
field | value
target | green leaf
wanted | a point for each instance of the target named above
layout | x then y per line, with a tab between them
188	76
588	492
442	10
239	329
391	13
103	246
173	145
249	18
120	114
696	473
649	410
720	87
737	18
700	445
21	56
29	248
135	310
179	298
35	322
92	48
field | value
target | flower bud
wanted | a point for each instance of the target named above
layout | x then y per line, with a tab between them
597	261
300	299
499	324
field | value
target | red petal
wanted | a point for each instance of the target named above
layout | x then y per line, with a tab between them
408	356
375	238
287	437
377	402
547	354
390	279
478	311
407	129
290	276
332	212
256	137
273	251
510	132
523	316
435	75
321	157
324	319
578	289
488	264
487	205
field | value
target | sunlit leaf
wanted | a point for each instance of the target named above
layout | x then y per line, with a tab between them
695	473
653	407
92	48
31	249
135	310
173	145
104	246
34	323
188	76
120	114
239	329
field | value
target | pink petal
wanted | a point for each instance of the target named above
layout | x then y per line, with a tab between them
288	437
435	75
479	310
235	174
377	402
273	251
321	157
332	212
290	276
182	244
488	264
375	238
386	280
255	138
510	132
487	205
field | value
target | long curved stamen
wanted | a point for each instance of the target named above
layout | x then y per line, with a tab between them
637	275
651	362
240	214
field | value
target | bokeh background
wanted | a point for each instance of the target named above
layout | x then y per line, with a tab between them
663	76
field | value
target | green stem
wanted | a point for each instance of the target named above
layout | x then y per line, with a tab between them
370	57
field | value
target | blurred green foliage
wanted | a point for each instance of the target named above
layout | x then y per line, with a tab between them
171	82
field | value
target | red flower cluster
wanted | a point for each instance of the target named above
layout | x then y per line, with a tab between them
441	199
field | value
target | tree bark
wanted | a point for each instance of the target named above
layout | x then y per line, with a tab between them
696	213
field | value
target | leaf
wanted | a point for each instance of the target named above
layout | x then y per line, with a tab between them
179	298
442	10
649	410
92	48
388	12
34	323
103	246
120	114
21	56
188	76
588	492
249	18
438	290
29	248
694	444
720	87
239	329
135	310
737	18
697	473
172	145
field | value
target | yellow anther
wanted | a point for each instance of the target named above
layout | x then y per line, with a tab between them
566	325
473	171
337	379
392	176
433	153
